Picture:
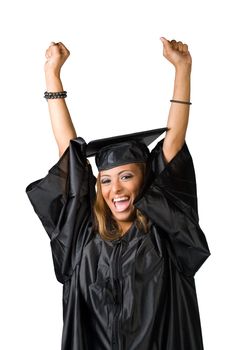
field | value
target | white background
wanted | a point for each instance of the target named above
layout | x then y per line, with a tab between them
117	82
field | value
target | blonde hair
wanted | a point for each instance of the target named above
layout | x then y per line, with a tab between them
105	224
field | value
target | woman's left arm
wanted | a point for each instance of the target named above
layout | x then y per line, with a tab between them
177	53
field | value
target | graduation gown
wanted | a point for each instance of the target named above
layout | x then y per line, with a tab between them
137	292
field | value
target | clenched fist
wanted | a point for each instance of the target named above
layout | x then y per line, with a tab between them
177	53
56	56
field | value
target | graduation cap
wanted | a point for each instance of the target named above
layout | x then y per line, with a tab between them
118	150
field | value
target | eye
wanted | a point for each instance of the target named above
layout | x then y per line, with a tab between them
126	176
105	181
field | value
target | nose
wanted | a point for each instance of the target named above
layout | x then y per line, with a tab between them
116	186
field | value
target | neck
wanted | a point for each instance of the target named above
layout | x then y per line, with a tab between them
125	226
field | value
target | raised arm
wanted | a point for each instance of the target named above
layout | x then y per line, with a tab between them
62	125
177	53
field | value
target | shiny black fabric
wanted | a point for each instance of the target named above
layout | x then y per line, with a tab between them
137	292
121	153
145	137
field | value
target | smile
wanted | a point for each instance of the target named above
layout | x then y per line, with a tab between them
121	203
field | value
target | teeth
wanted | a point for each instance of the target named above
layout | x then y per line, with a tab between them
120	199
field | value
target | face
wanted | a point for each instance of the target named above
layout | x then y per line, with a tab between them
120	186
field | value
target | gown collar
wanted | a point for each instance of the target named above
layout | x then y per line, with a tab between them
132	233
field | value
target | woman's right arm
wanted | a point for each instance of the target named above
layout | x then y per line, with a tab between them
62	125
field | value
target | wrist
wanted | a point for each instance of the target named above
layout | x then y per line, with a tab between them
183	70
52	74
53	83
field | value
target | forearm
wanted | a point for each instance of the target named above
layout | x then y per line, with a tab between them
178	114
62	125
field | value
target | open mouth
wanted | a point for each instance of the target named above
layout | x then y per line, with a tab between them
121	203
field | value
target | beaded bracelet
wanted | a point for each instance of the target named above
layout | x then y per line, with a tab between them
52	95
183	102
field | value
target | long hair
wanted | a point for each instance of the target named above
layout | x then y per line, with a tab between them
105	224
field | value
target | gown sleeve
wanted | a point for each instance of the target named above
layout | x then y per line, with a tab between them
63	201
170	202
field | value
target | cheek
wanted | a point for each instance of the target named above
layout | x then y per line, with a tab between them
105	193
140	182
136	185
136	188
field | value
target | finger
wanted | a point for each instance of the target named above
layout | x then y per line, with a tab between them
48	51
63	47
55	49
185	48
166	43
47	54
174	44
180	46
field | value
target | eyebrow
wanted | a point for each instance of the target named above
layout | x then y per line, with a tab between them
122	171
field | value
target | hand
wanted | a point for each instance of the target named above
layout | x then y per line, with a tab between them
177	53
56	56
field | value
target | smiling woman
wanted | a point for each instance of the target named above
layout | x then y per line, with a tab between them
128	270
117	189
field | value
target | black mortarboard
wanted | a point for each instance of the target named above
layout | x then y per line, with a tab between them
118	150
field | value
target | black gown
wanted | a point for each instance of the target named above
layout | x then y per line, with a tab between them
137	292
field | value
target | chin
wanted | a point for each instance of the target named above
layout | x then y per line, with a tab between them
125	217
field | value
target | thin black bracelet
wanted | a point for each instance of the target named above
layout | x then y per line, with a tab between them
52	95
183	102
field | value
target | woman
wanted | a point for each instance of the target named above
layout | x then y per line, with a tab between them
127	255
